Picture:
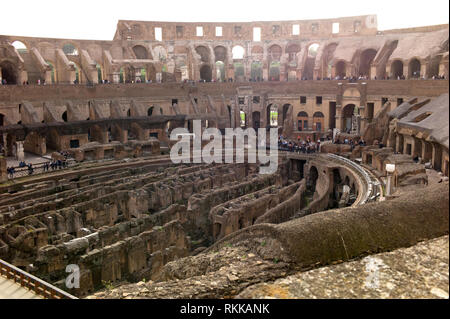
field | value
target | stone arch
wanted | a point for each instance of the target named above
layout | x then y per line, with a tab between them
70	49
20	46
397	68
206	73
433	66
238	52
53	73
140	52
347	114
256	71
414	68
310	61
220	71
341	69
327	60
9	72
204	53
292	50
366	58
272	115
220	54
274	52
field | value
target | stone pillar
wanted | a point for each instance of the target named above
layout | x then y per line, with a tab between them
436	156
373	72
3	164
20	155
426	151
114	77
406	70
423	70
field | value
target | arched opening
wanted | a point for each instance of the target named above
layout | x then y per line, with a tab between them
99	73
366	59
341	69
275	53
220	53
256	116
220	56
204	54
347	114
20	46
327	60
433	66
230	116
78	76
140	52
274	71
243	118
414	69
286	111
302	121
64	116
256	72
292	51
2	120
318	121
312	180
52	72
272	115
308	69
397	69
150	111
69	49
238	52
122	75
220	71
9	72
206	73
239	71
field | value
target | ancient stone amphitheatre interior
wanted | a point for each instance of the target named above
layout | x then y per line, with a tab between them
361	117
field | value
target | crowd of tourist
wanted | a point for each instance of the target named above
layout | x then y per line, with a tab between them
53	165
350	79
300	146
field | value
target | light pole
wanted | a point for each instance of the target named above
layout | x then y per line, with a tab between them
390	168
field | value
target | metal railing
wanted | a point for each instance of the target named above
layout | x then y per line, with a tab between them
38	168
38	286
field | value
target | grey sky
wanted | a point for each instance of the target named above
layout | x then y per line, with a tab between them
97	19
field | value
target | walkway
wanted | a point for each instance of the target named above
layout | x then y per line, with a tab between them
11	290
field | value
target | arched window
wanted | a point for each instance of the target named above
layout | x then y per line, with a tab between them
302	121
20	46
238	52
70	49
140	52
312	50
397	69
414	68
318	121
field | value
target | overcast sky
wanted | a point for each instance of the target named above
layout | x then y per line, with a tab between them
97	19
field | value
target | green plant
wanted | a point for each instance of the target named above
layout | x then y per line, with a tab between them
275	260
107	284
263	243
